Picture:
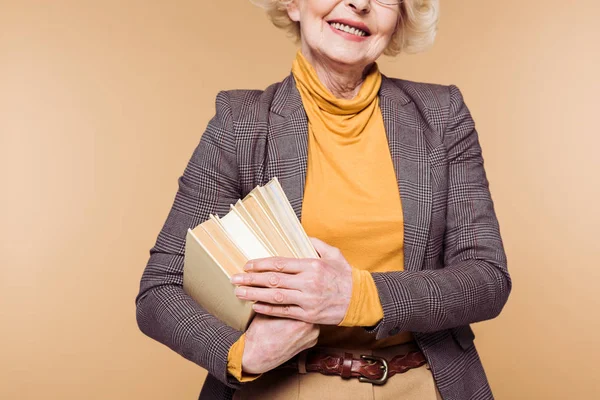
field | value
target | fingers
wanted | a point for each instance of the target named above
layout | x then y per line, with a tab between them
287	311
271	296
277	264
267	279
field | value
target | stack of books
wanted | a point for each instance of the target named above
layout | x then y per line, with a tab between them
261	225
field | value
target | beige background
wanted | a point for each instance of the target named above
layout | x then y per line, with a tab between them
102	103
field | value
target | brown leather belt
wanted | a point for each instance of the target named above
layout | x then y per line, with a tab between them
368	368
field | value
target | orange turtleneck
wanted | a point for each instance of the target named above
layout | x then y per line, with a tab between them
351	201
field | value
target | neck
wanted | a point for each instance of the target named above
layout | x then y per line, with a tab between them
342	80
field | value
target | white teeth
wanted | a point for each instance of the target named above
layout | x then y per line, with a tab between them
348	29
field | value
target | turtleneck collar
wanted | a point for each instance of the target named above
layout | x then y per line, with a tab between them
308	81
344	117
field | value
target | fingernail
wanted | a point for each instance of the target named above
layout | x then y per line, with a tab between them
237	279
258	307
240	292
248	266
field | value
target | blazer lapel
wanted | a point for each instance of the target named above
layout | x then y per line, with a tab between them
288	143
408	149
288	154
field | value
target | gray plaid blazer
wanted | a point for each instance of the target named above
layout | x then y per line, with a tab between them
455	265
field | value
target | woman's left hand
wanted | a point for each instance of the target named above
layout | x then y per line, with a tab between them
307	289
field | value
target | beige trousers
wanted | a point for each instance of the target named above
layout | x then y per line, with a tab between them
289	384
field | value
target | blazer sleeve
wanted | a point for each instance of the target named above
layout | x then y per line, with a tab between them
474	284
164	311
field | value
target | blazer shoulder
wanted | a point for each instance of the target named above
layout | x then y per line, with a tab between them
429	96
249	104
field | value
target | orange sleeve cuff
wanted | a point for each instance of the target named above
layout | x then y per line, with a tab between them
234	361
364	308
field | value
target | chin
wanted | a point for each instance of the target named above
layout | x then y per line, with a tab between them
345	56
346	53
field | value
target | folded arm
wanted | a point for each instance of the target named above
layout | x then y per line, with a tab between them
164	311
474	284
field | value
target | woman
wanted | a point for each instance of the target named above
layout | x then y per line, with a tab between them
388	175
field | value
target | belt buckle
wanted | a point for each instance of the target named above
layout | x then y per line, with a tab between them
384	367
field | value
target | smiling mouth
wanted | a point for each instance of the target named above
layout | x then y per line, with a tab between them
348	29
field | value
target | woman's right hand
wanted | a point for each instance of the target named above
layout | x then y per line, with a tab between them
271	341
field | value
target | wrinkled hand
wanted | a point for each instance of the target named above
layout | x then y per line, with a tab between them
272	341
313	290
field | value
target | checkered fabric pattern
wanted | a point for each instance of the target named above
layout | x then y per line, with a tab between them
455	265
